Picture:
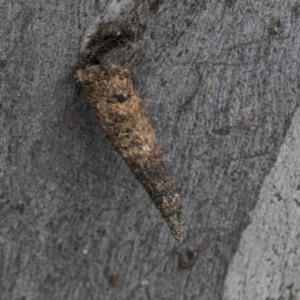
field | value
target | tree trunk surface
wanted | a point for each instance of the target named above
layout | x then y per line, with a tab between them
220	82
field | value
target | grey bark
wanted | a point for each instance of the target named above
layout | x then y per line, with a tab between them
220	82
267	262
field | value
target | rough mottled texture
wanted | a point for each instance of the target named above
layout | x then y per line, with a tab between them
220	86
127	126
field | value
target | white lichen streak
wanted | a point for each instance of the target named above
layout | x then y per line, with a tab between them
267	263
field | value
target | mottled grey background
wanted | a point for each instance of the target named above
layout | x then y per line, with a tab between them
220	80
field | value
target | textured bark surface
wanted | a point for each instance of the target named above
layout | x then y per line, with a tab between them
220	81
267	263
